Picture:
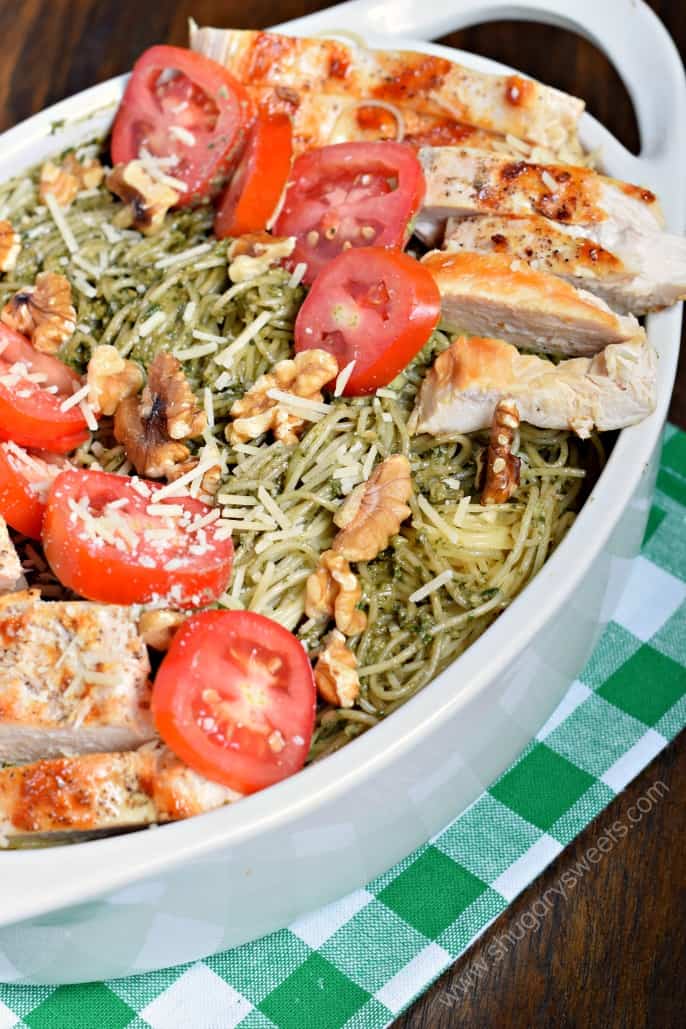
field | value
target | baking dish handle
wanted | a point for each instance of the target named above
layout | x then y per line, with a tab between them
627	31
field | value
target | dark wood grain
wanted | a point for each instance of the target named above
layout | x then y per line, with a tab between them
614	954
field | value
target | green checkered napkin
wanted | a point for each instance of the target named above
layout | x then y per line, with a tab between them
360	961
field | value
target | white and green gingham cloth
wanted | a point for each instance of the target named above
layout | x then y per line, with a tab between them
357	963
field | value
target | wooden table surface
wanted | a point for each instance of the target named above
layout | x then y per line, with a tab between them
615	953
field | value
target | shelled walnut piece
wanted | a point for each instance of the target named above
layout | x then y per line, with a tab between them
10	246
502	467
146	200
210	482
111	378
335	672
373	512
44	312
157	627
254	253
151	426
256	412
333	589
67	179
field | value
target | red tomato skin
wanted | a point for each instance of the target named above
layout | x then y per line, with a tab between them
36	420
16	348
107	575
29	415
61	445
20	505
218	151
188	668
327	192
253	193
380	351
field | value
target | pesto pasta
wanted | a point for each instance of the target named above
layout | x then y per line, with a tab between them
454	565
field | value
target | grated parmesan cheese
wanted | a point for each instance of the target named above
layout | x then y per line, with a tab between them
273	508
150	324
225	357
211	337
312	410
177	488
208	405
190	353
183	256
297	275
154	167
165	510
369	462
431	586
236	498
343	378
75	399
183	135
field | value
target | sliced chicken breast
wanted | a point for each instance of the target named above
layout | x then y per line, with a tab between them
493	295
11	577
614	389
461	181
100	792
284	68
73	678
631	270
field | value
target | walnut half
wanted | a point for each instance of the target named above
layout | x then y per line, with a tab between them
65	180
253	254
151	426
335	672
157	627
147	201
333	589
111	378
44	312
256	412
372	513
502	467
10	246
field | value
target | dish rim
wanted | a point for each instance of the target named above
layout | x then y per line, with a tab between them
41	881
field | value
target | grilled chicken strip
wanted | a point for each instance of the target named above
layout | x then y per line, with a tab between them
100	792
11	577
632	271
73	678
461	181
614	389
303	75
491	294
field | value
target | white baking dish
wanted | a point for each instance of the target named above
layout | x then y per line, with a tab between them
124	905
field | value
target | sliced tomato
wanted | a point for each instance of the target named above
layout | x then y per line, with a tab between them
25	481
350	195
373	306
129	553
235	699
254	192
16	349
187	110
30	412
